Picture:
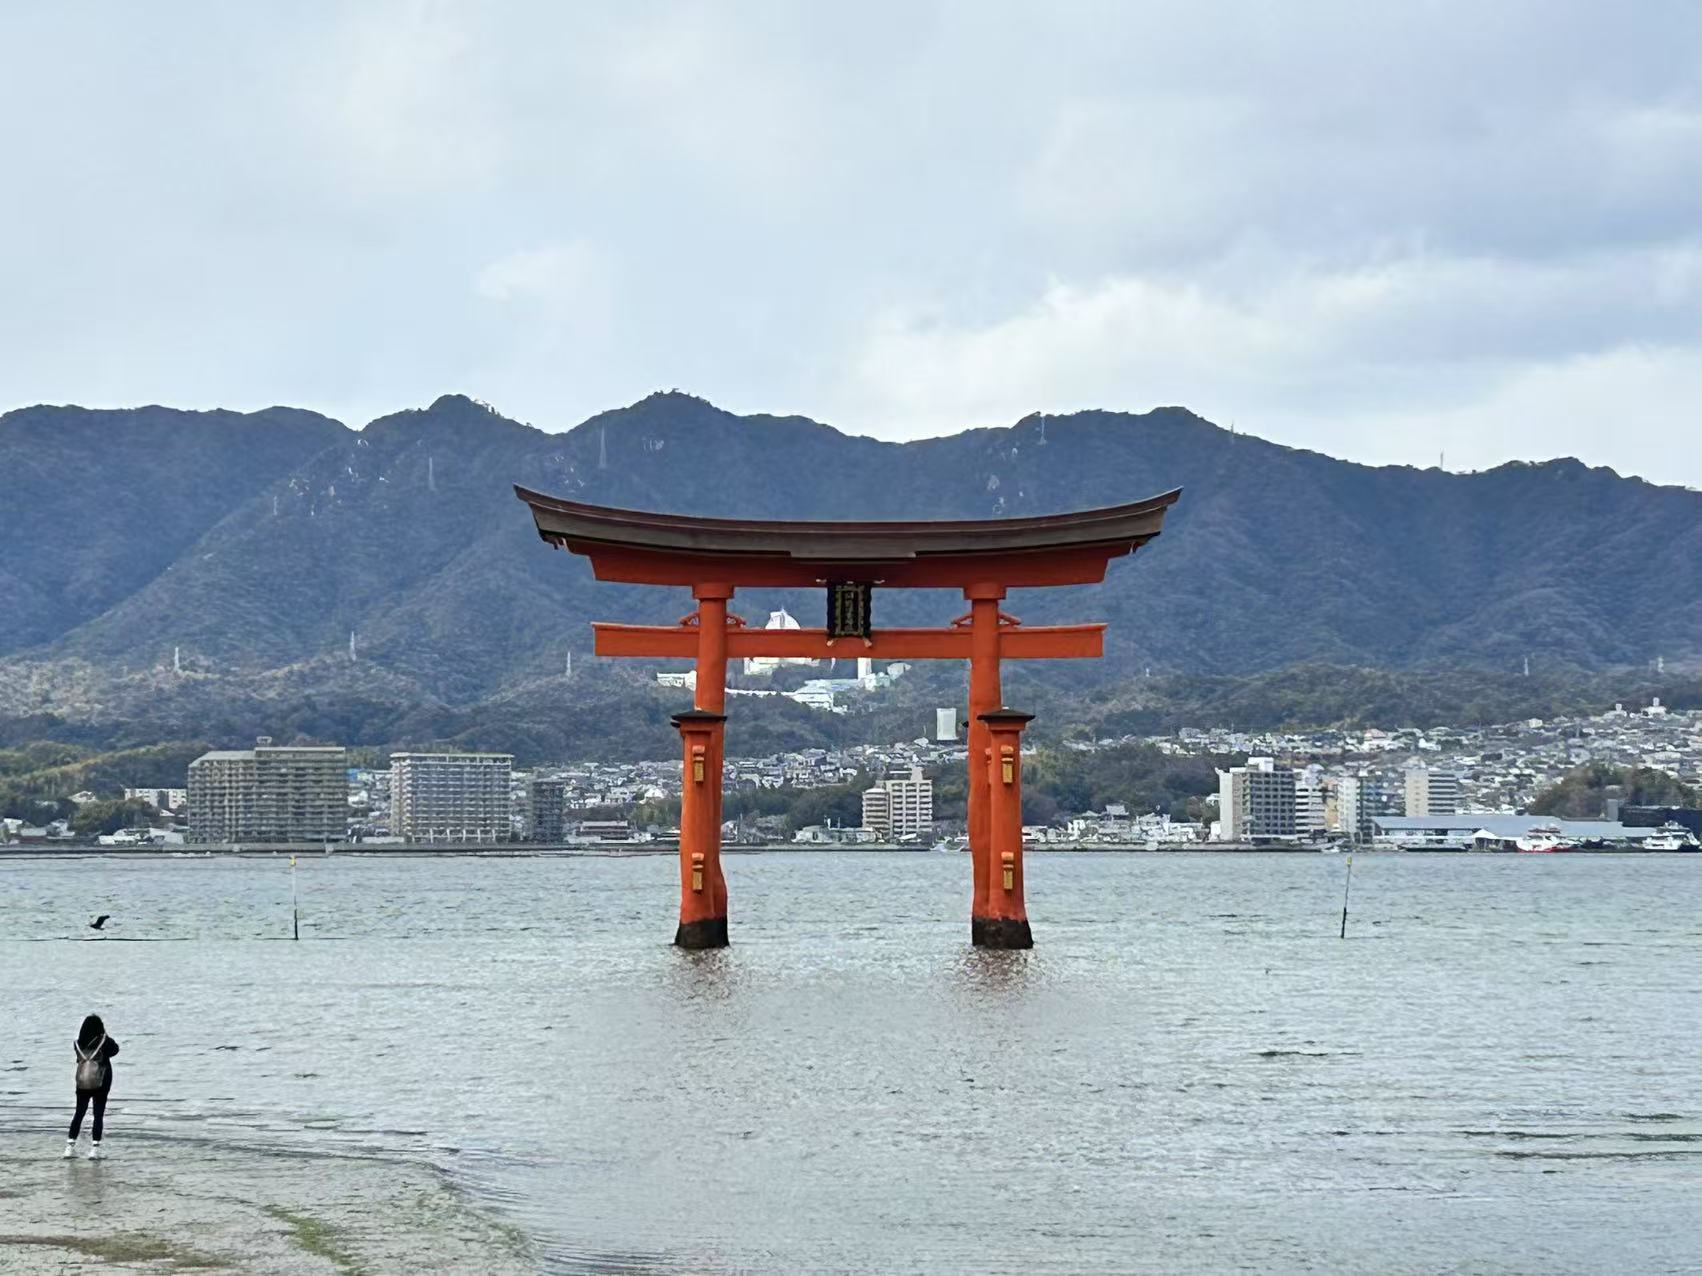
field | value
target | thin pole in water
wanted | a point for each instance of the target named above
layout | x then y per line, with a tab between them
1346	891
295	905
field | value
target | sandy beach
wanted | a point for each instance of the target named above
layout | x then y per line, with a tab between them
164	1205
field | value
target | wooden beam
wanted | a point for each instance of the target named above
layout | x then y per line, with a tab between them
679	642
1072	565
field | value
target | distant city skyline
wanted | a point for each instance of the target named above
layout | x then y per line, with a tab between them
1389	234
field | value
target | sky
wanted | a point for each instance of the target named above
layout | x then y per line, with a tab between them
1398	233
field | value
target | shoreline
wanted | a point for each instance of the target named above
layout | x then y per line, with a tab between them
519	850
167	1203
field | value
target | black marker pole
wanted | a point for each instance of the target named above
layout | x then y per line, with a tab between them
1346	891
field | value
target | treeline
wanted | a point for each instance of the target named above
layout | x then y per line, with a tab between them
1583	794
1060	781
618	714
840	804
38	779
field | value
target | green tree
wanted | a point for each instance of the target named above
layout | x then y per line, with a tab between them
96	819
1583	793
842	805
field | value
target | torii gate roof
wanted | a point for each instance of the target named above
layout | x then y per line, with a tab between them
674	549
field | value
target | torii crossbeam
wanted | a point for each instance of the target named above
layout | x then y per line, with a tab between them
984	558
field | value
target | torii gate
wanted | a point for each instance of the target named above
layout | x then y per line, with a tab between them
713	557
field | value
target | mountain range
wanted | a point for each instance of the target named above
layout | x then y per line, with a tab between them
155	556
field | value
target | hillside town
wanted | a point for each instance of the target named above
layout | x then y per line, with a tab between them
1412	789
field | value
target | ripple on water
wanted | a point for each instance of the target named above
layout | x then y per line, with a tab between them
1140	1092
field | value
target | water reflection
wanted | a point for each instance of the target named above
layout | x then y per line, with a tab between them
994	977
706	975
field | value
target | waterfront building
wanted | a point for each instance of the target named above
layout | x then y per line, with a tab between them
269	794
1655	816
1362	797
461	798
1256	800
1431	792
901	809
546	810
1309	801
603	831
877	810
1457	832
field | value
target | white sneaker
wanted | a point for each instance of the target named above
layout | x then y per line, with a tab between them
95	1154
70	1149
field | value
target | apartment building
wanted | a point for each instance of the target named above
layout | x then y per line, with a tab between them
901	809
1431	792
546	810
270	793
461	798
1256	800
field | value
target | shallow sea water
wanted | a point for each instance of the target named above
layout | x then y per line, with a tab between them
1499	1071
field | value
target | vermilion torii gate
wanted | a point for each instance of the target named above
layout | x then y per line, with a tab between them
715	557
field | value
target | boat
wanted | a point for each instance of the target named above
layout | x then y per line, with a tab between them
1541	839
1671	836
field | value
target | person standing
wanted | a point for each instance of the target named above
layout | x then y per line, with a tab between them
94	1051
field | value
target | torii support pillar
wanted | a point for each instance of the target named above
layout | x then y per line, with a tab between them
703	891
985	696
1003	923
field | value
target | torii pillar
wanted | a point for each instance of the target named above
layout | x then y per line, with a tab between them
1001	921
985	695
703	889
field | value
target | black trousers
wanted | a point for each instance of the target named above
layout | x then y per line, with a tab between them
84	1098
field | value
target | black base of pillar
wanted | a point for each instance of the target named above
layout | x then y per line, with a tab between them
1000	932
711	932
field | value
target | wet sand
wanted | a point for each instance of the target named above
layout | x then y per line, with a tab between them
162	1205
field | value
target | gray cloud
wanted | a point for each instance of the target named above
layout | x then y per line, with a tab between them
1383	231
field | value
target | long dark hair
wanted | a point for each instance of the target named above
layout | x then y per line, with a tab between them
91	1031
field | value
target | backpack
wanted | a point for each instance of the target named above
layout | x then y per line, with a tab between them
91	1068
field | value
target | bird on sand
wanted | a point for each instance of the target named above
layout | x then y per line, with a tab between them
99	922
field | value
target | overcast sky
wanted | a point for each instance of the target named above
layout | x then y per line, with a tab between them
1384	231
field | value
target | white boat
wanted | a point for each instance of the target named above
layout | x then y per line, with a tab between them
1540	839
1671	836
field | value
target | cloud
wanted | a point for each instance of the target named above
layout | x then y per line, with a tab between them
1368	359
568	273
1336	223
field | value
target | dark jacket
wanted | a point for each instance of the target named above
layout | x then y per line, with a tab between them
107	1050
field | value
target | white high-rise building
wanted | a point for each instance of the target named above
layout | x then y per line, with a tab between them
1348	795
877	811
1360	799
269	794
901	809
450	797
1309	800
945	725
1256	800
1432	792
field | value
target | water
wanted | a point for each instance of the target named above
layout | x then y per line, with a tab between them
1498	1071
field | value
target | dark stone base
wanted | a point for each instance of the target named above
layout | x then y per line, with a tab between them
1000	932
711	932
